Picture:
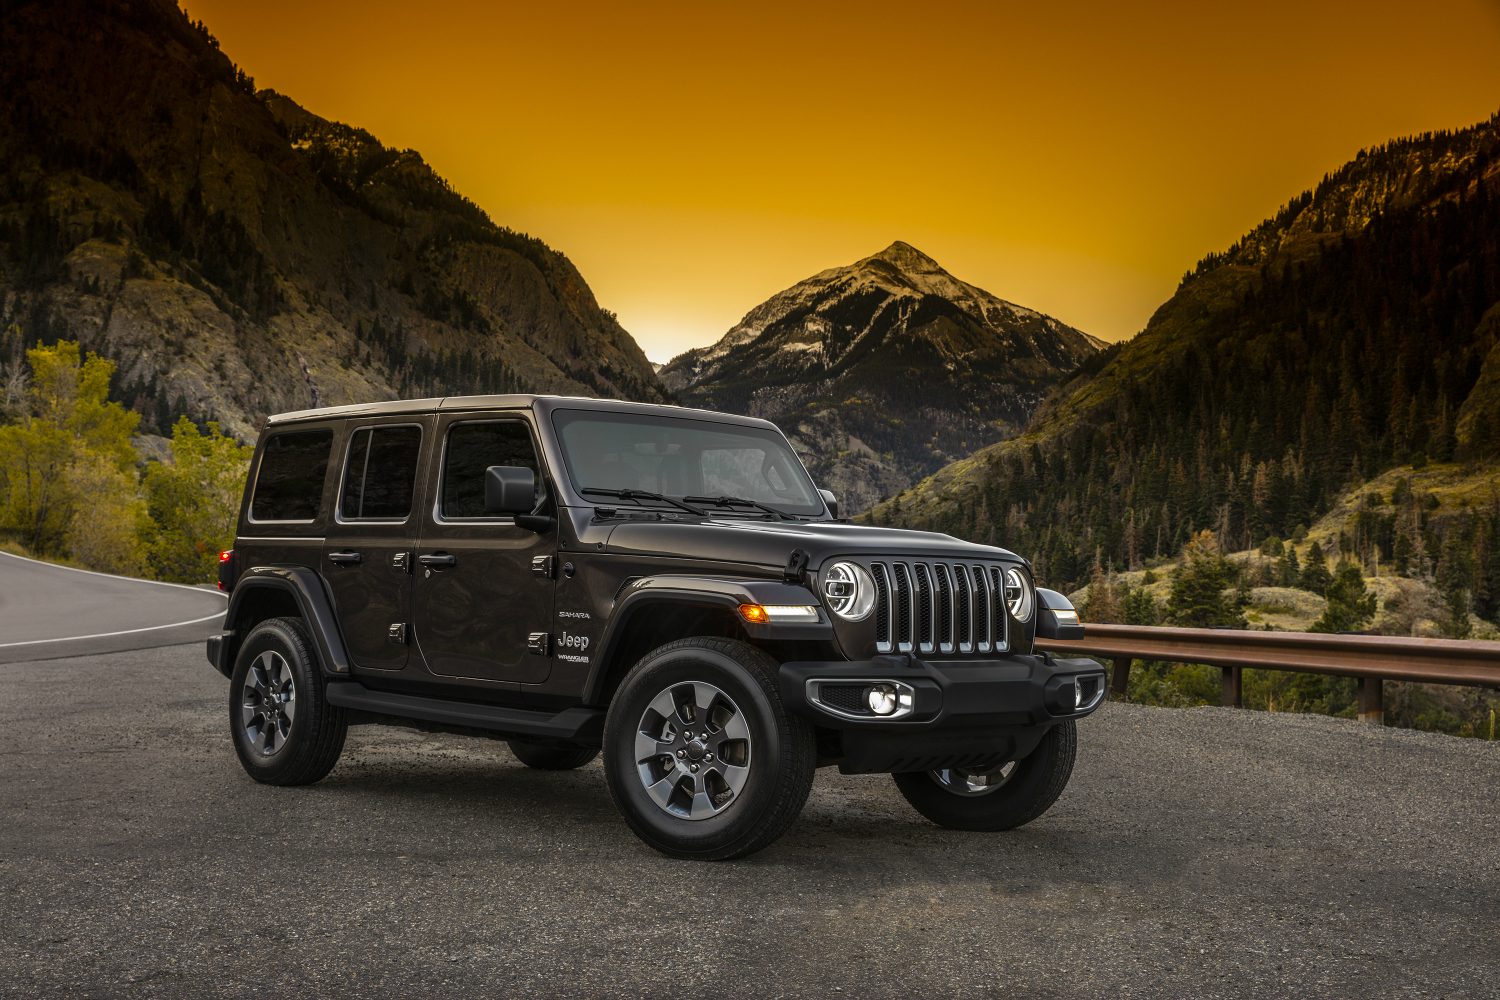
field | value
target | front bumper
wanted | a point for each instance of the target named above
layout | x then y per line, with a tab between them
957	713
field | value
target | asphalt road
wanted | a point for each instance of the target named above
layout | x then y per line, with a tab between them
49	611
1196	853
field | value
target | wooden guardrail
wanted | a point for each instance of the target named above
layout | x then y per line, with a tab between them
1371	659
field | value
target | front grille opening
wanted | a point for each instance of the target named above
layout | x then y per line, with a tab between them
998	604
851	698
924	607
882	607
984	609
903	606
965	635
945	609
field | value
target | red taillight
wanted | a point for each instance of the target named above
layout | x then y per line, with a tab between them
226	556
226	570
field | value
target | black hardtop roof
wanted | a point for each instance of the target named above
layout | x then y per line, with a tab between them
543	405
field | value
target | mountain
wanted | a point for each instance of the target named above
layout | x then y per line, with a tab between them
238	255
883	371
1356	332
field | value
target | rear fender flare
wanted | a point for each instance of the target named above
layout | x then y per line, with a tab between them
311	596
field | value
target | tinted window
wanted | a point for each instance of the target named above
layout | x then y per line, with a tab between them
472	448
292	468
381	474
682	457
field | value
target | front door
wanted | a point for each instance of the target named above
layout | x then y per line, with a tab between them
479	598
367	553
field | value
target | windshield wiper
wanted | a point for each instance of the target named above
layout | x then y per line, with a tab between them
728	501
643	495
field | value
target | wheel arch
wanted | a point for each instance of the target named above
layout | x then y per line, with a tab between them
264	592
654	611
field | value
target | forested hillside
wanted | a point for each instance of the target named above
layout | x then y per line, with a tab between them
1356	332
236	255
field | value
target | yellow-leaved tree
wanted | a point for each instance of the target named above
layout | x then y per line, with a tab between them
67	470
194	502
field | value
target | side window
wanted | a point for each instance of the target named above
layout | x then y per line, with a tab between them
472	448
380	476
289	486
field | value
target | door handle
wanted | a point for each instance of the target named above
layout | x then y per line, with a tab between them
438	559
345	558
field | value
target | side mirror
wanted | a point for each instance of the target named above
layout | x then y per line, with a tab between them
509	489
831	500
1055	617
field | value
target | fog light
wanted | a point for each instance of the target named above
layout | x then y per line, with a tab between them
882	699
1077	693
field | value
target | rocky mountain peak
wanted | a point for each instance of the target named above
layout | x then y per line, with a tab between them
878	367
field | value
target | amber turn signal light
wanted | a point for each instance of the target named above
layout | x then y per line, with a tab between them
754	613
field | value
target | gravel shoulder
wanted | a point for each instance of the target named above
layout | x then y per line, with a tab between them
1201	852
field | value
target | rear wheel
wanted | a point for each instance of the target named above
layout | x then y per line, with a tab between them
702	759
1001	798
284	729
550	758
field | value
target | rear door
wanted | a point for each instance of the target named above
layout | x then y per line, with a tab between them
368	550
483	605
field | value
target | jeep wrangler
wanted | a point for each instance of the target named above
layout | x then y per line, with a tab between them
664	585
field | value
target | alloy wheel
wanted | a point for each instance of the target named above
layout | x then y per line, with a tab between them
973	783
692	750
268	703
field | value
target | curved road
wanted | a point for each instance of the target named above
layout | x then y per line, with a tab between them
1196	853
49	611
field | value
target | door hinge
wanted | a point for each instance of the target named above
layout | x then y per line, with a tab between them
542	566
396	634
539	643
401	561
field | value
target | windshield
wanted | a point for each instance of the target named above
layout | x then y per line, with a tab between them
678	457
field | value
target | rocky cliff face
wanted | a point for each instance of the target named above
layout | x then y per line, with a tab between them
884	370
238	255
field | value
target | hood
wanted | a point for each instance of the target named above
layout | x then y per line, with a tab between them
769	543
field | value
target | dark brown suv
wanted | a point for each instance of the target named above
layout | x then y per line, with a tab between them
664	584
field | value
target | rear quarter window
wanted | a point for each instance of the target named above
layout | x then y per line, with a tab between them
289	485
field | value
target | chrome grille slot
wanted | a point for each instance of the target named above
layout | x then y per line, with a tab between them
903	608
882	607
984	613
965	609
945	608
1000	617
924	598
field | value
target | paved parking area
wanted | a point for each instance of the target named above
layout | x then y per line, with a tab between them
1196	853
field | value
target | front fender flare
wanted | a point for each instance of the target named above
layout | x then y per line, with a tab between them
307	589
721	592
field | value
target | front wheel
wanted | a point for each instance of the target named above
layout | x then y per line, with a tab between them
701	757
1001	798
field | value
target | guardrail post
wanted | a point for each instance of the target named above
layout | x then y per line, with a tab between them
1372	700
1120	683
1233	686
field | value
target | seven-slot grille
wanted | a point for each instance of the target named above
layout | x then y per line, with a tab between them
933	607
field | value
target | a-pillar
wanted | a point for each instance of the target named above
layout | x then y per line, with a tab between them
1372	700
1234	686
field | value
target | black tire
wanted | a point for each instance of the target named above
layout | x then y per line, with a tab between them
550	758
1027	790
277	747
770	754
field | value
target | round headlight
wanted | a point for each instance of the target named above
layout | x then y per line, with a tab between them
1019	595
849	591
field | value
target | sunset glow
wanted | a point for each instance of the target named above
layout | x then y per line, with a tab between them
692	160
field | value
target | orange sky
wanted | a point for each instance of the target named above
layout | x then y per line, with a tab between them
692	159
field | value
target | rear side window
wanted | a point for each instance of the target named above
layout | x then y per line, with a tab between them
381	475
472	448
289	486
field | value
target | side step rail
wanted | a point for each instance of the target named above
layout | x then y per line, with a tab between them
577	724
